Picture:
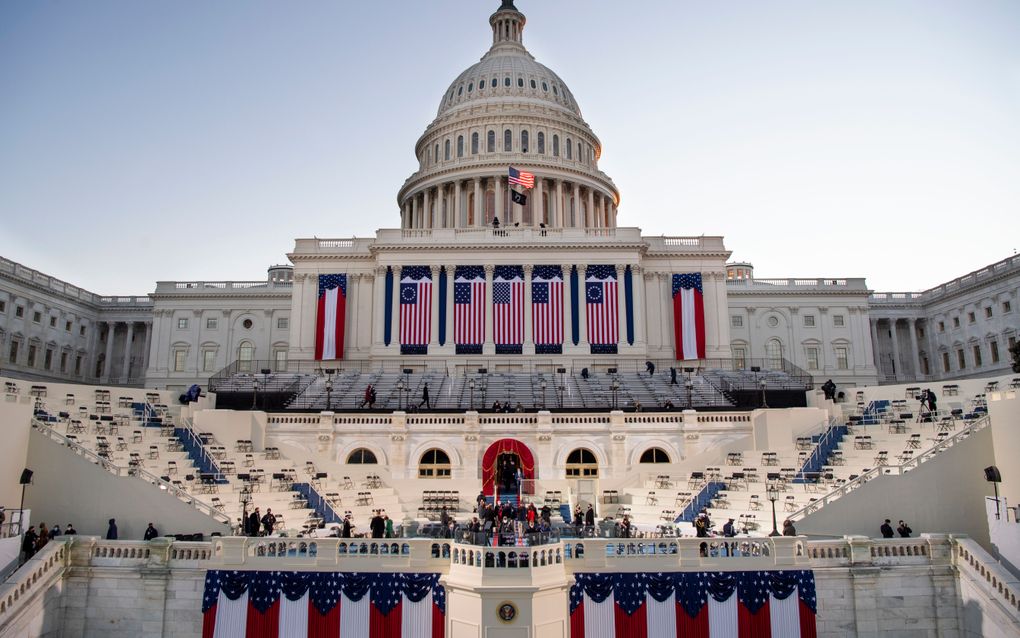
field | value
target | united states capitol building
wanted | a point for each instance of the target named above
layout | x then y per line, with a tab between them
589	414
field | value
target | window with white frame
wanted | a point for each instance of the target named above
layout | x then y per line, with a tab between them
209	360
211	323
180	357
182	323
283	323
809	321
838	320
739	357
842	358
737	321
812	357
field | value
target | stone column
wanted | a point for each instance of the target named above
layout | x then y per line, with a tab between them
352	324
427	205
577	207
588	221
395	319
896	349
637	278
489	346
536	205
529	341
378	307
874	345
915	354
479	212
434	308
415	220
582	308
558	222
111	328
127	351
497	184
148	346
457	209
665	295
621	305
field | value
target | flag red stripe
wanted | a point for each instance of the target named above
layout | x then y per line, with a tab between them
320	327
341	321
699	321
263	625
438	622
635	624
209	622
577	622
688	627
320	626
757	625
387	626
678	327
808	627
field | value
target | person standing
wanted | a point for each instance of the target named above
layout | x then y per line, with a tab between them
367	399
44	537
389	526
650	368
425	397
788	528
150	533
268	522
886	529
932	403
377	525
111	530
55	531
672	376
904	530
254	521
589	519
28	542
70	530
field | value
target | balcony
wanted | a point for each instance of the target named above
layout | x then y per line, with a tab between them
823	284
220	287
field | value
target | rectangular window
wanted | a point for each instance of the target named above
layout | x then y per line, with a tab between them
956	322
945	362
812	358
179	360
31	356
1007	307
210	323
208	360
81	331
1012	342
737	321
53	322
48	359
281	360
961	358
842	359
182	323
988	312
994	348
67	326
942	326
63	362
920	333
19	311
809	321
971	318
3	306
37	316
13	358
977	356
739	358
77	365
838	320
283	323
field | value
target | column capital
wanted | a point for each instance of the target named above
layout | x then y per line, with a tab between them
450	269
823	310
635	269
435	269
489	269
380	271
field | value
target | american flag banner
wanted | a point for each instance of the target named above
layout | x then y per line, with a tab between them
469	309
762	604
689	316
547	309
508	309
330	317
415	309
521	178
601	301
276	604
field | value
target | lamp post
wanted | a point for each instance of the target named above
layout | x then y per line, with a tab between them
400	394
245	501
690	386
543	393
764	403
614	386
471	386
26	479
254	393
773	493
329	394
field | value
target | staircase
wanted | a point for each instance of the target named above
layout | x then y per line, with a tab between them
197	453
826	445
316	502
701	501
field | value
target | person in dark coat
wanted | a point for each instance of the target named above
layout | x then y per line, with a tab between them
650	368
268	522
150	533
589	518
727	530
904	530
28	542
425	397
932	403
254	521
111	530
346	531
672	376
377	525
886	529
788	528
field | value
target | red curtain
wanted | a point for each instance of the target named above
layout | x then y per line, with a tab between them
505	446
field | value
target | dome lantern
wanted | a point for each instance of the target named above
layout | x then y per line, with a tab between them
507	25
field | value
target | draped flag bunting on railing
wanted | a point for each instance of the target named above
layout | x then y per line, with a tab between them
330	318
415	309
689	316
763	604
469	309
601	302
508	309
271	604
547	309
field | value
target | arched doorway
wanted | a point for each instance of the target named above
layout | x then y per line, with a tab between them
506	455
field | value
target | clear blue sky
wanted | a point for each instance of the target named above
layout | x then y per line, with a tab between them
142	141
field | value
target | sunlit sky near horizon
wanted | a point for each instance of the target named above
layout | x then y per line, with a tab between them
145	141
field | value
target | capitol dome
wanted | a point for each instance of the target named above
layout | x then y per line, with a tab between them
507	110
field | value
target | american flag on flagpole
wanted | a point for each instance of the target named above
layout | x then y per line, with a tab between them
272	604
415	305
521	178
469	306
547	305
601	296
508	305
780	604
330	317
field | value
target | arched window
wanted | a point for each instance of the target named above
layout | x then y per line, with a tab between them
774	354
446	150
506	81
471	87
435	155
581	463
654	455
524	141
508	141
520	83
361	456
434	463
460	146
245	356
474	143
490	142
541	143
494	82
570	154
533	85
556	146
579	158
